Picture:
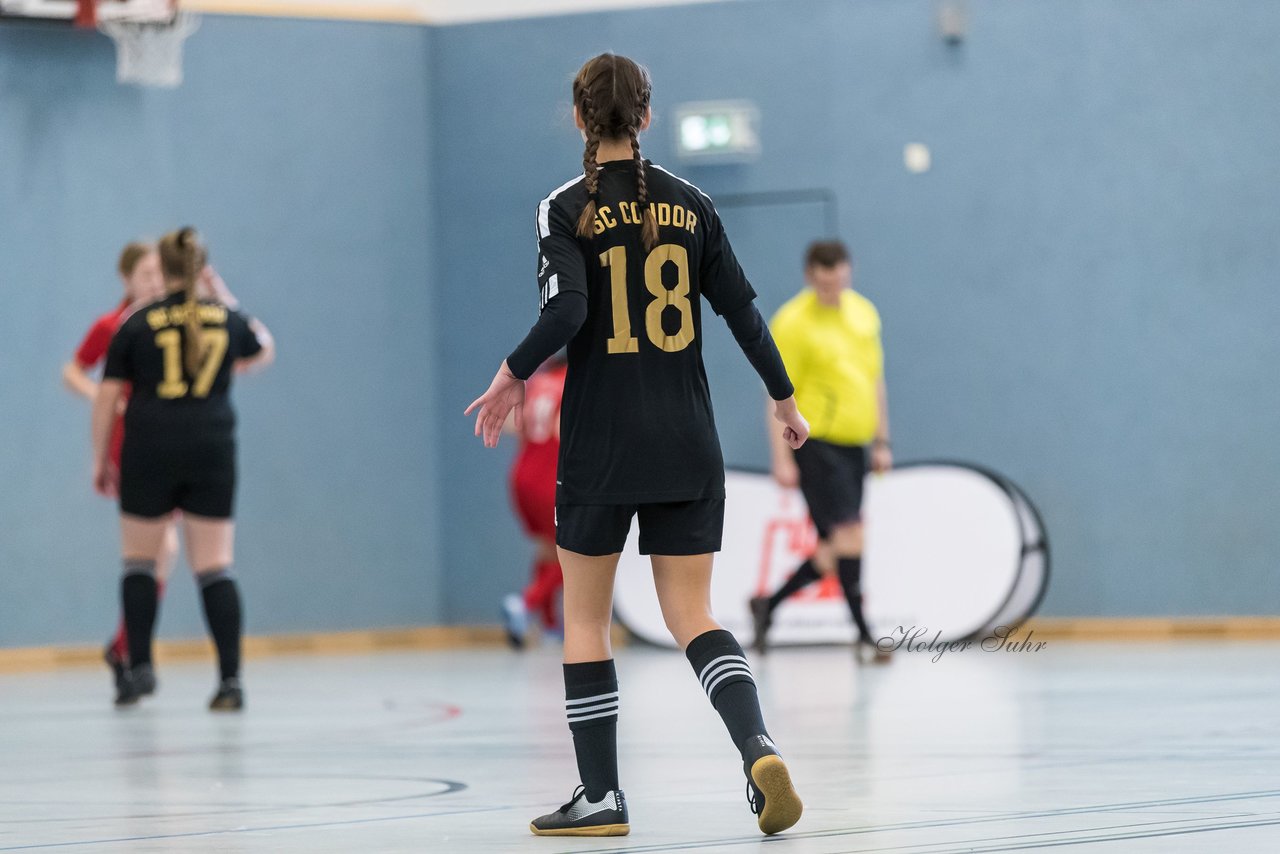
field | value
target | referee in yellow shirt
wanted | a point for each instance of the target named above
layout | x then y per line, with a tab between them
829	337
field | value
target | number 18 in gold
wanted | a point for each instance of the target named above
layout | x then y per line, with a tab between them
678	297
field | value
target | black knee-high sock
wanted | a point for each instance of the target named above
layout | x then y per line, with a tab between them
804	575
222	616
591	704
718	661
140	600
850	570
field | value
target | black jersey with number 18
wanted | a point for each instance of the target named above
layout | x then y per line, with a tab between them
636	419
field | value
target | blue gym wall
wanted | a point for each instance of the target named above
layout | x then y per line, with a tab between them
1081	294
301	149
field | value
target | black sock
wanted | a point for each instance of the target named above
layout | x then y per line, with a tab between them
850	570
591	704
718	661
805	575
222	616
140	600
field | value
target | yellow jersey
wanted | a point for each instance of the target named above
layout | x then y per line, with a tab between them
835	360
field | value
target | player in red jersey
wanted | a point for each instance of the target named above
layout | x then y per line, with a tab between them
139	269
533	492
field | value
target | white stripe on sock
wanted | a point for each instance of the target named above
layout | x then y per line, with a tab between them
726	675
707	673
597	698
578	710
573	719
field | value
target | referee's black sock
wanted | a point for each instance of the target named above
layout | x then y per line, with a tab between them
850	571
591	704
222	616
718	661
805	575
140	601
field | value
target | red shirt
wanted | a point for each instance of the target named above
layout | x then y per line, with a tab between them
540	440
93	349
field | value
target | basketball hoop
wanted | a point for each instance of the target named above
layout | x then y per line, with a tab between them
149	37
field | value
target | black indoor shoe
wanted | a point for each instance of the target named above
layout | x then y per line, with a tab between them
769	791
119	672
581	817
230	697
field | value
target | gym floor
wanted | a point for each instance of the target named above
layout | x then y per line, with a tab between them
1157	747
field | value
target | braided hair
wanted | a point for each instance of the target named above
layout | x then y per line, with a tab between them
182	257
612	95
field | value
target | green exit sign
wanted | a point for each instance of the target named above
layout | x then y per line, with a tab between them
721	131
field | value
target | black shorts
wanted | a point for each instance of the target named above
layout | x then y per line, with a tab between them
831	480
157	478
674	528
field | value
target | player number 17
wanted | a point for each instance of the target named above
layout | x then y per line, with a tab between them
174	386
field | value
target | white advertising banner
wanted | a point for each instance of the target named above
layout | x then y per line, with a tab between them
951	550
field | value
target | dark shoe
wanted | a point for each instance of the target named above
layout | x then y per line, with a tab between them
144	679
134	684
230	697
581	817
762	620
127	694
119	672
769	791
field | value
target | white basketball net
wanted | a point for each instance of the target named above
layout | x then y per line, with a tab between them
149	52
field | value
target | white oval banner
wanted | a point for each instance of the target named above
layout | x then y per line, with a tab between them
949	550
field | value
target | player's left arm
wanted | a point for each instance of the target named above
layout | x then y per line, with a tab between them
106	479
75	373
77	380
731	296
881	450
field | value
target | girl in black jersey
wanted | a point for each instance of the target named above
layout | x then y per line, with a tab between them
626	250
179	452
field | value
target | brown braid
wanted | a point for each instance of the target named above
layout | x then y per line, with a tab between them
590	169
612	96
649	233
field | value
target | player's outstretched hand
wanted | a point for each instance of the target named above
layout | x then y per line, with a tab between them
794	428
505	394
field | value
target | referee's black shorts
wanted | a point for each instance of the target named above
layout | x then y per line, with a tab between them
158	477
670	528
831	479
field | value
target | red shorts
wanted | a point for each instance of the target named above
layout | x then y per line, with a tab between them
533	492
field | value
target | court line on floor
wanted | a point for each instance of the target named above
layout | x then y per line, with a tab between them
199	833
443	712
957	822
967	847
450	787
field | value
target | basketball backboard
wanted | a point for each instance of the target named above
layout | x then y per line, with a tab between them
66	11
